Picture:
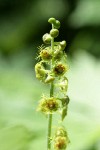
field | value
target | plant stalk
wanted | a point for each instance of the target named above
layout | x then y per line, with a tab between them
51	95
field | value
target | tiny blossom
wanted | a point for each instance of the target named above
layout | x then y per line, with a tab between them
48	105
60	69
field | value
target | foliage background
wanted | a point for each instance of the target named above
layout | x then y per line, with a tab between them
22	24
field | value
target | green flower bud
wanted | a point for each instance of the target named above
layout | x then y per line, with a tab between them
40	72
60	131
57	24
52	20
58	54
49	79
63	45
46	38
54	32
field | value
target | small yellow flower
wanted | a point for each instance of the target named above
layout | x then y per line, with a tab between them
45	54
48	105
60	143
60	69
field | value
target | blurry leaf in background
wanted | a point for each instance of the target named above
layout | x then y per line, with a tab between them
17	27
85	19
87	39
86	13
84	108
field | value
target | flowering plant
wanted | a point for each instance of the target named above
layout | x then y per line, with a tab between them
51	69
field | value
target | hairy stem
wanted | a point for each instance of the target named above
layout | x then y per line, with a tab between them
51	95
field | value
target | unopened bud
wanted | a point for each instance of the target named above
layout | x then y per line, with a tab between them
63	45
49	79
40	72
52	20
57	24
54	32
46	38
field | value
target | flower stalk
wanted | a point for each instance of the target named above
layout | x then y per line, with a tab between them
51	69
51	95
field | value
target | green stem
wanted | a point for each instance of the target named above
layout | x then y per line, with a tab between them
49	132
51	95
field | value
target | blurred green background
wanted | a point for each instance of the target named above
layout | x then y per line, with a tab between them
22	24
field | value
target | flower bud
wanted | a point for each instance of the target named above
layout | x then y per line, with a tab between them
54	32
49	79
63	45
40	72
58	55
52	20
57	24
46	38
60	131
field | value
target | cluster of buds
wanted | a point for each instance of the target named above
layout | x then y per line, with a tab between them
51	69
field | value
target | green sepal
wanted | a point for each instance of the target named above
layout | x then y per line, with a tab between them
65	102
64	112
